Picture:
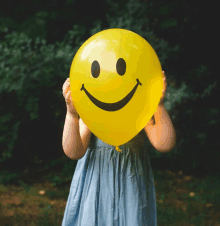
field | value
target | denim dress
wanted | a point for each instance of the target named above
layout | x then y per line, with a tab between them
112	188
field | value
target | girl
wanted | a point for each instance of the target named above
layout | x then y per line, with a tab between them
111	188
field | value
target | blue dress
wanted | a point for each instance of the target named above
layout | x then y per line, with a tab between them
111	188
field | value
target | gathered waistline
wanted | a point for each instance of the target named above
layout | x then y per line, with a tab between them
131	145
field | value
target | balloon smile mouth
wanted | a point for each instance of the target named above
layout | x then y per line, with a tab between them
112	106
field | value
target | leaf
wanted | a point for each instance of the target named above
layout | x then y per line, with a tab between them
164	10
169	23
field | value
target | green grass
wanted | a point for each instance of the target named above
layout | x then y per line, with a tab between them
186	200
182	200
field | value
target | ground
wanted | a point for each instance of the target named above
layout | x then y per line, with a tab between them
181	200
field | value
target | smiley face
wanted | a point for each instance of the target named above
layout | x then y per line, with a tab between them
121	69
116	84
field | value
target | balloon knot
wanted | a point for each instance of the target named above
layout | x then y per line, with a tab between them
118	149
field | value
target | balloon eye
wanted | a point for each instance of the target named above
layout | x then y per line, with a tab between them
95	69
121	66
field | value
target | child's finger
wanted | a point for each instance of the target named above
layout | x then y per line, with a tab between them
67	95
71	97
65	86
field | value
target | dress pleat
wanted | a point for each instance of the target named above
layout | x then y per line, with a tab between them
111	188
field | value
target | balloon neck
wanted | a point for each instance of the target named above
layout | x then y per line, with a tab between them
118	149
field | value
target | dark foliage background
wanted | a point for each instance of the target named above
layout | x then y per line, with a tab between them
38	41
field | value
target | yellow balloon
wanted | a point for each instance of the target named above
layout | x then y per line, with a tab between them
116	84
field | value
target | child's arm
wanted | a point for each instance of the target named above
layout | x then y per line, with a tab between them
76	137
162	135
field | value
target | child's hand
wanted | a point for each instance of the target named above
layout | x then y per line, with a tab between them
68	98
164	89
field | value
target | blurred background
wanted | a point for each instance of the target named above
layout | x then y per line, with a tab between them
38	40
